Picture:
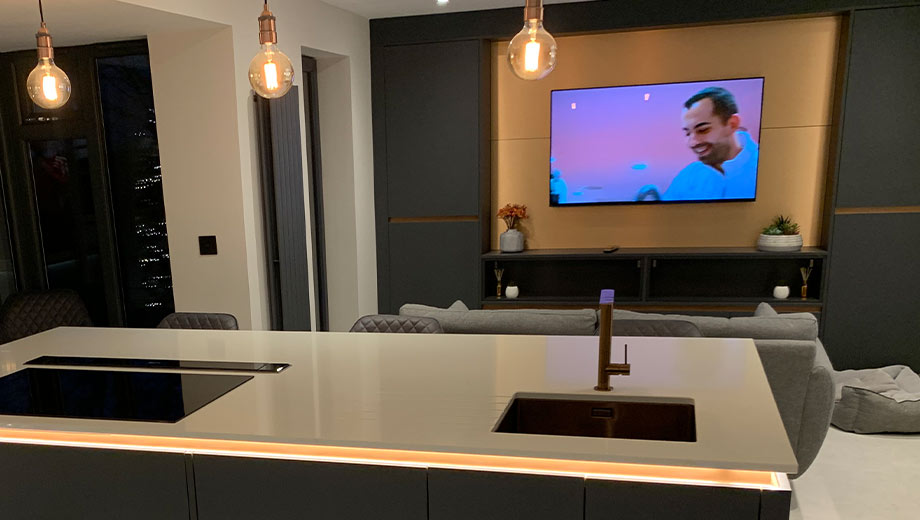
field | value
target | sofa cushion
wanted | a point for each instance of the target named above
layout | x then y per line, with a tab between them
582	322
878	400
795	326
660	328
798	326
710	326
458	306
764	309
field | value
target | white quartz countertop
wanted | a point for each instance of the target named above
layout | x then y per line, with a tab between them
440	393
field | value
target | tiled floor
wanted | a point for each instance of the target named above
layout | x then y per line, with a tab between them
857	477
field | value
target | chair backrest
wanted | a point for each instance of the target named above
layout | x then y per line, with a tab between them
199	320
667	328
391	323
24	314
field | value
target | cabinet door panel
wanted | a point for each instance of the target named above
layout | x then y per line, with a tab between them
432	128
465	495
434	263
880	153
872	314
229	488
48	482
606	499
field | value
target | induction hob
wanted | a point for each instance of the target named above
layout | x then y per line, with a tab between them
104	394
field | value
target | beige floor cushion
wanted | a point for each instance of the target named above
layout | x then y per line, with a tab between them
878	400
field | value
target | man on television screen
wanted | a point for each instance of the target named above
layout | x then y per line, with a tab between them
727	165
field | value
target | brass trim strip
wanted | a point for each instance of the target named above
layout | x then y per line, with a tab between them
877	210
447	218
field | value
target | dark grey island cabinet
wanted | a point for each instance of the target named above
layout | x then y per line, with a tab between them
459	495
231	488
55	483
48	482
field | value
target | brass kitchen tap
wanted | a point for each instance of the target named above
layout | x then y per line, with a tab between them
605	368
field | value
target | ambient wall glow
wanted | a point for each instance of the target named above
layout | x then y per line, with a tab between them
797	59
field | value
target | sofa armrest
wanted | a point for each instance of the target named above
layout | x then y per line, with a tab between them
816	416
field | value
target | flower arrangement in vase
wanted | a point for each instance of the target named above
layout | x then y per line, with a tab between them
781	235
512	240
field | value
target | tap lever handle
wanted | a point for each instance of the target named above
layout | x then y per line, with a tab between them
606	296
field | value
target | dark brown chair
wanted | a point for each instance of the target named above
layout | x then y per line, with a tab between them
199	320
25	314
664	328
391	323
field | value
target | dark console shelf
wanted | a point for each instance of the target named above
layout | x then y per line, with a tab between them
723	280
806	303
671	252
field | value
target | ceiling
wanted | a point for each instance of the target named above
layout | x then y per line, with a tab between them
79	22
388	8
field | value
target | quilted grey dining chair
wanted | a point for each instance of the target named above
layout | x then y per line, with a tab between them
24	314
392	323
199	320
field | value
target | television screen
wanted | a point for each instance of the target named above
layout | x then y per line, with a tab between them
674	142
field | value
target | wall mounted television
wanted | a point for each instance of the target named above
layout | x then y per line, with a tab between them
651	144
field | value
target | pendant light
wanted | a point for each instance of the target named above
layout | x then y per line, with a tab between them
270	72
47	85
532	52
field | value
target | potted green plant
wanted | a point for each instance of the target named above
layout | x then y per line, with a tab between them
781	235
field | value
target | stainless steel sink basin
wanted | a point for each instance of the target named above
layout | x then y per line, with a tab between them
619	419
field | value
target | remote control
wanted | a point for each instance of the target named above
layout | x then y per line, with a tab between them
611	249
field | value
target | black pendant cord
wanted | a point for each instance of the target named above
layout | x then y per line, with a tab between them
41	12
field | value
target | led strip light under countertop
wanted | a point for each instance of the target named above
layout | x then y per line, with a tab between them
765	480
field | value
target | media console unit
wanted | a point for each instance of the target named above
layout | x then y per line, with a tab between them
712	280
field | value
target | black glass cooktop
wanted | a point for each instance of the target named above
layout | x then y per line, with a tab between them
154	364
104	394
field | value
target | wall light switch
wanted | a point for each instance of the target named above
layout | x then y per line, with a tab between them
207	245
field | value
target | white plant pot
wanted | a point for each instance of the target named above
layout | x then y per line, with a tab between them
511	241
512	291
779	242
781	292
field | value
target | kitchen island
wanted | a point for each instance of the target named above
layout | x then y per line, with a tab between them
401	426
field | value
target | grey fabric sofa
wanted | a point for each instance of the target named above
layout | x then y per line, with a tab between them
794	360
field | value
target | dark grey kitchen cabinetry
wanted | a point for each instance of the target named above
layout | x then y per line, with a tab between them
53	483
605	499
48	482
230	488
461	495
432	156
872	310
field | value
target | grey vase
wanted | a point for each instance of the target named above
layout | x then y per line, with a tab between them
511	241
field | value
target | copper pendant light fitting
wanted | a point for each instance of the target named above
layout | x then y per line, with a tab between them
267	31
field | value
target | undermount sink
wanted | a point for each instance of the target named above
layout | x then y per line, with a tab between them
611	418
